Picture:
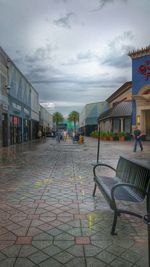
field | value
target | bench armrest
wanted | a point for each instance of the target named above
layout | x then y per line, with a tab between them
102	164
124	184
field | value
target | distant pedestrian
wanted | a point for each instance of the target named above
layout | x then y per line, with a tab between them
44	135
58	136
39	134
65	135
137	137
73	135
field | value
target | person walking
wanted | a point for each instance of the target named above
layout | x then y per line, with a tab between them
39	134
137	137
65	135
44	135
58	136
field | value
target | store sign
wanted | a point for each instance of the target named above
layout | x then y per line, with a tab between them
145	69
15	120
26	111
4	107
15	106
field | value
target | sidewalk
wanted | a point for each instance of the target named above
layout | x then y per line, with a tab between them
48	217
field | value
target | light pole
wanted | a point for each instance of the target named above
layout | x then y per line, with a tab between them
98	143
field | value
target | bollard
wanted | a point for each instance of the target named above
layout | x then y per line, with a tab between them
81	139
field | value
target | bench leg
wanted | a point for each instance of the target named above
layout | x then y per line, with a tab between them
114	222
94	190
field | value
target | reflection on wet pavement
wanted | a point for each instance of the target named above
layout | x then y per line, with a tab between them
48	216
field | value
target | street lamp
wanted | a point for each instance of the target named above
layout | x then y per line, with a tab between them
98	143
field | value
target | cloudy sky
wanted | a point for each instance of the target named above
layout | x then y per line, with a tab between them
74	52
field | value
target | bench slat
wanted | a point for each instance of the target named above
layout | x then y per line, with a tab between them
131	172
122	193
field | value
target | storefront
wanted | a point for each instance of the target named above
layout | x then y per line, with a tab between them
117	119
141	90
26	130
15	130
4	132
26	125
19	120
4	124
34	127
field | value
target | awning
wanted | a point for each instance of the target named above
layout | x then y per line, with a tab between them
122	109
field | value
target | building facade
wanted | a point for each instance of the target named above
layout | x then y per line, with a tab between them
88	118
46	120
35	109
141	90
4	133
19	98
19	106
117	118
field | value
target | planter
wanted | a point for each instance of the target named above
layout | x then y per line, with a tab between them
111	138
122	138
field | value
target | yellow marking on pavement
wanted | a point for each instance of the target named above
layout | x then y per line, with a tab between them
91	219
82	192
43	182
77	178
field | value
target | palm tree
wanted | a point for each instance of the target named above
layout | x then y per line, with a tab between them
73	116
57	117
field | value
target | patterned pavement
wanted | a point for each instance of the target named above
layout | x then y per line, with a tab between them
48	217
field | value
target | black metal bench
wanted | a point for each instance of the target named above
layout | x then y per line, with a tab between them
131	182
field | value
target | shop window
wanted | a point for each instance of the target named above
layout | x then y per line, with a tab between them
127	125
15	130
26	130
116	125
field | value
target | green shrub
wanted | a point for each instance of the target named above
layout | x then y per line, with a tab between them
122	134
111	134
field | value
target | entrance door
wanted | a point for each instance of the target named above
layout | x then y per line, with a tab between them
5	129
147	120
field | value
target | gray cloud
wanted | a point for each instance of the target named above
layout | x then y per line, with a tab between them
65	21
38	75
118	61
72	94
35	58
61	1
82	83
103	3
82	57
66	62
117	55
36	65
42	53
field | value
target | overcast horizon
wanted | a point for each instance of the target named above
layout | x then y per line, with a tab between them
74	52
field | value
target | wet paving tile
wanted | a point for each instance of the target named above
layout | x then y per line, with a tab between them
12	252
48	216
27	250
38	257
23	262
9	262
63	257
23	240
6	244
82	240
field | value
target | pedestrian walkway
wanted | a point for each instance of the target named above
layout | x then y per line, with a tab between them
48	217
